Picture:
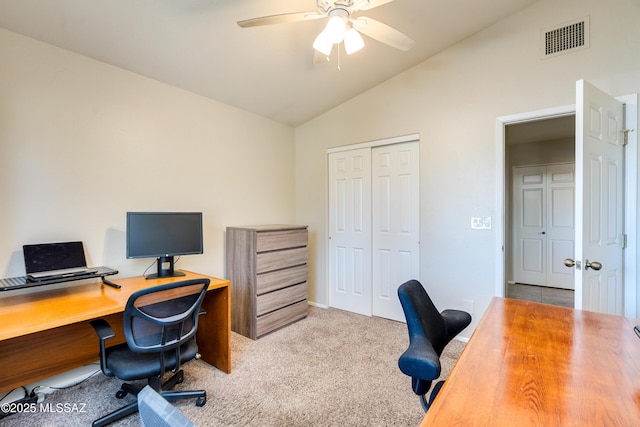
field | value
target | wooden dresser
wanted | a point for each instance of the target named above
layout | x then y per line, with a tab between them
267	267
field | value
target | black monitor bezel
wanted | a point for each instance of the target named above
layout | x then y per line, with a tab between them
163	257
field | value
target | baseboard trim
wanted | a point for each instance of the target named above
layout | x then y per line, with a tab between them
315	304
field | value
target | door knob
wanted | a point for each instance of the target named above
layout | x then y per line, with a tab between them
594	265
569	262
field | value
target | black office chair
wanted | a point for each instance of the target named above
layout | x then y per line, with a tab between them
429	332
159	326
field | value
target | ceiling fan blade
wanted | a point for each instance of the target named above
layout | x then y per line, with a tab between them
280	19
383	33
370	4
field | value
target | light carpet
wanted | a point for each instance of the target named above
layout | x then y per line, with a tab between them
331	368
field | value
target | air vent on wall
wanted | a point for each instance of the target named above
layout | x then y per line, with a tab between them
569	37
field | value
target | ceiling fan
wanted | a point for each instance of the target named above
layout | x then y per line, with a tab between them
343	26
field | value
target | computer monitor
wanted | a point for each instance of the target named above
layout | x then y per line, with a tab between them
164	235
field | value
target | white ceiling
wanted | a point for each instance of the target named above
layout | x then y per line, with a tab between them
552	129
196	45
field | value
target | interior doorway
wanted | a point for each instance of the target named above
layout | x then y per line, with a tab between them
539	176
630	183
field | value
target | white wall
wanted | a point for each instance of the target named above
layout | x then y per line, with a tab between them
82	143
452	100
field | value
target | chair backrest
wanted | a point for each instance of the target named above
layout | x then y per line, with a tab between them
164	317
423	318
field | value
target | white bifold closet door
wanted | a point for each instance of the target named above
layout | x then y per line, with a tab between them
374	221
544	218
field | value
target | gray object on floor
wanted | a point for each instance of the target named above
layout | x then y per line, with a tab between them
156	411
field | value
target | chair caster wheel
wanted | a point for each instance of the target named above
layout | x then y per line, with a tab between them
201	401
121	393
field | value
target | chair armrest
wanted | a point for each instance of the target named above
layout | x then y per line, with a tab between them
104	332
455	322
103	329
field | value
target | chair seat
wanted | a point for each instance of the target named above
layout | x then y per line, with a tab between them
128	365
420	360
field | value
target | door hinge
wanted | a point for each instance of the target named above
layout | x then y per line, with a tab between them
626	135
624	241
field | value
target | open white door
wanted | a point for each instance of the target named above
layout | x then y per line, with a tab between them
599	281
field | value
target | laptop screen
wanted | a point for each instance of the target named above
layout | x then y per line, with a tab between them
53	256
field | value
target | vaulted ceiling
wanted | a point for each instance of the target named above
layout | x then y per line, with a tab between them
197	45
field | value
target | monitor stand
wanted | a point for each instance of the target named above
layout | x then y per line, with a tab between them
165	272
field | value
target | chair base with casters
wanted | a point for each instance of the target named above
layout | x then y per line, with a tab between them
429	333
159	326
170	396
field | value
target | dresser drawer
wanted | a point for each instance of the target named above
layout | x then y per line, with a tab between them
274	240
273	280
280	298
269	261
279	318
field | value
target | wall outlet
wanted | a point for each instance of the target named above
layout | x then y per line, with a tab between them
467	305
481	223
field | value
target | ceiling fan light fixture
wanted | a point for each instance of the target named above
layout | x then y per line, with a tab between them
336	29
323	43
352	41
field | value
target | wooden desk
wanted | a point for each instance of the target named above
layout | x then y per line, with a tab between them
530	364
48	332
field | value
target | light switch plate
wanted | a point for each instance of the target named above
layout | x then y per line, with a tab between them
481	223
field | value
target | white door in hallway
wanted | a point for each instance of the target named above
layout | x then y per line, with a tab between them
599	280
350	230
543	215
396	225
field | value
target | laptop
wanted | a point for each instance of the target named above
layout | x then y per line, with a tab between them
47	261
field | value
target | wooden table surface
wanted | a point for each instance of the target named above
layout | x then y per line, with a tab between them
47	309
531	364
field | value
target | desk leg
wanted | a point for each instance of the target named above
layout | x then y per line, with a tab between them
214	329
